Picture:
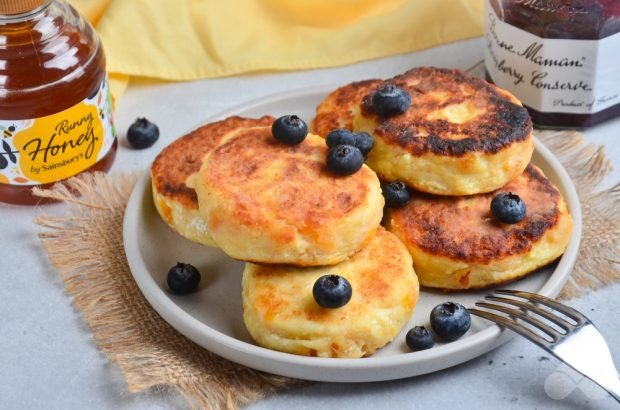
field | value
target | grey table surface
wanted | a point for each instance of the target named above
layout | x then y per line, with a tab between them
48	359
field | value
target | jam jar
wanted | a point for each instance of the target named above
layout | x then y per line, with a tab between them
561	58
55	104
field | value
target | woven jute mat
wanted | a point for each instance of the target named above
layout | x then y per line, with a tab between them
85	244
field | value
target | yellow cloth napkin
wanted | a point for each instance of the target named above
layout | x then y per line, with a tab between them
195	39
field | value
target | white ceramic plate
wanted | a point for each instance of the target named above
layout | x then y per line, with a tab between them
212	317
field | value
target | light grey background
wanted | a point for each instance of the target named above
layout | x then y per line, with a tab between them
48	359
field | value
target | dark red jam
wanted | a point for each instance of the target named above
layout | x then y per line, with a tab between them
570	83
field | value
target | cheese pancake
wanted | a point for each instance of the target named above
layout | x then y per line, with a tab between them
280	312
457	244
460	136
268	202
175	201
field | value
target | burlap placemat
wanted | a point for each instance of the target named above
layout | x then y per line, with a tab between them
86	246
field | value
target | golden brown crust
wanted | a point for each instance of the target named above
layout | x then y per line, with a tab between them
378	268
269	202
500	123
462	228
338	109
494	119
297	181
183	157
281	313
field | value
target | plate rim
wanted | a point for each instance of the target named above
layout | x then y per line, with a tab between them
315	368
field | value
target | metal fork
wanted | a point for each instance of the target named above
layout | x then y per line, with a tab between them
578	344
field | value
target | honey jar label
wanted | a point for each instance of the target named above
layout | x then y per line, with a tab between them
552	75
58	146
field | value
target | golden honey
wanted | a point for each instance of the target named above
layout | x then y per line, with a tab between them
56	117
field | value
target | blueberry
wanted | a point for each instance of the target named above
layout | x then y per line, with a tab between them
340	136
390	100
183	278
364	142
142	133
419	338
508	208
396	194
450	320
332	291
361	140
289	129
344	159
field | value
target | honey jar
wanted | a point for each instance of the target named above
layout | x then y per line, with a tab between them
56	117
559	57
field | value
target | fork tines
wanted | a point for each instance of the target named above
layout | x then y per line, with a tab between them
526	308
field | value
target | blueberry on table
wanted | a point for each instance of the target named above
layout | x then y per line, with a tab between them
332	291
183	278
344	160
508	208
390	100
396	194
450	320
419	338
142	133
289	129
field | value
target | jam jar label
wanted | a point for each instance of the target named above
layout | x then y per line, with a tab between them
58	146
552	75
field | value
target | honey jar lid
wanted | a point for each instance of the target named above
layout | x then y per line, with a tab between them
8	7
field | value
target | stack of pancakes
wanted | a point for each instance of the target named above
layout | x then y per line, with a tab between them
230	184
461	142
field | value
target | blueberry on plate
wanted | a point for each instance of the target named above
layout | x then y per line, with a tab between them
332	291
344	159
340	136
142	133
390	100
508	208
289	129
450	320
396	194
419	338
183	278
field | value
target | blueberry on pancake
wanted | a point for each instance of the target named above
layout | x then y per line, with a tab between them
281	313
459	136
456	242
268	202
